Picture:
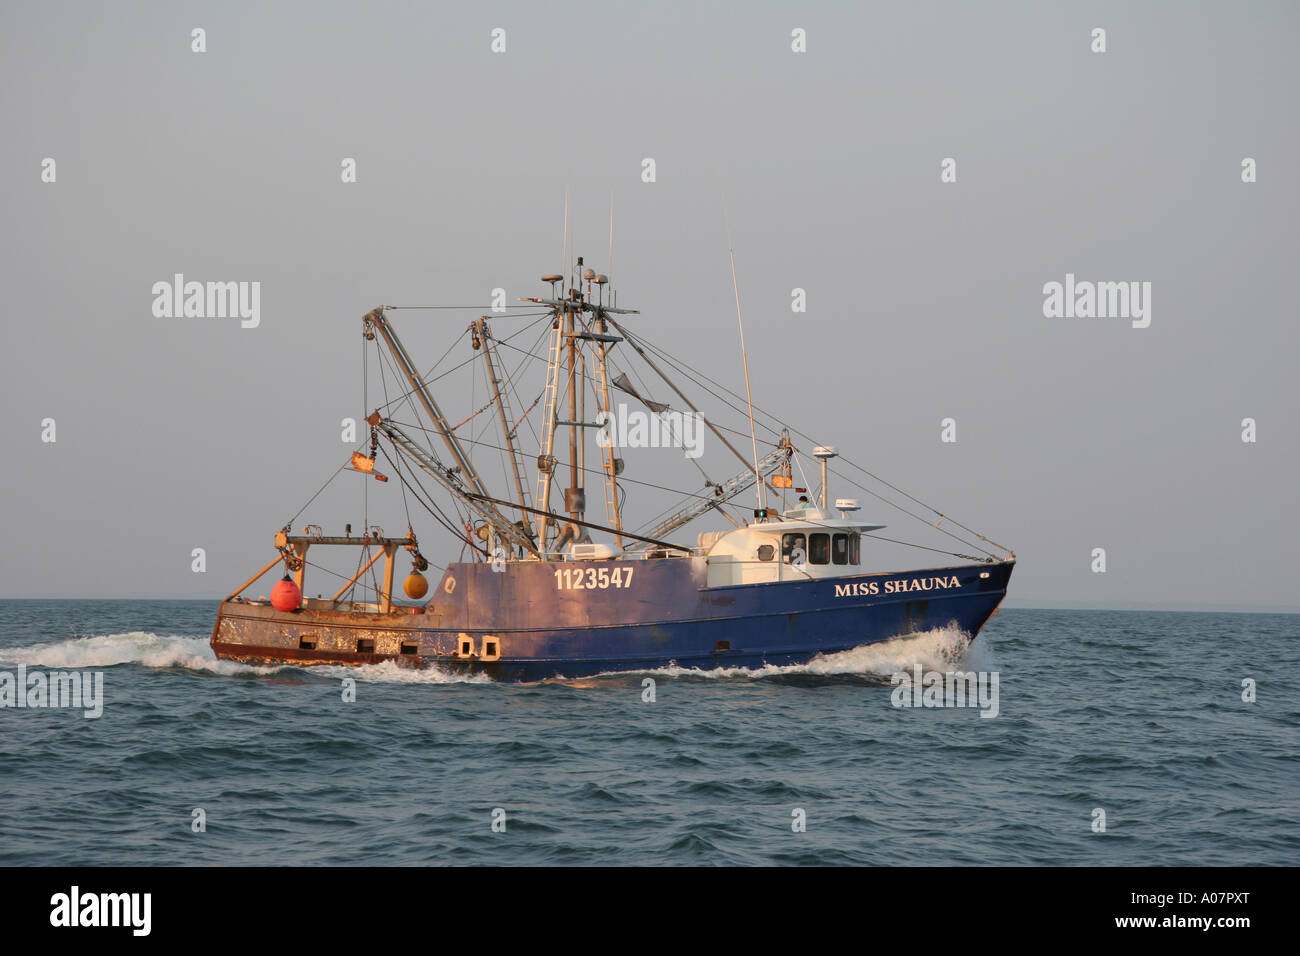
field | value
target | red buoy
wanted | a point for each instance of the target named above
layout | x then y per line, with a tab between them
285	596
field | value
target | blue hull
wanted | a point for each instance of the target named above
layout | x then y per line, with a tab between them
537	621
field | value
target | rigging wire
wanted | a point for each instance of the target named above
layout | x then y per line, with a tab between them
426	380
430	505
479	308
587	470
289	523
683	367
645	393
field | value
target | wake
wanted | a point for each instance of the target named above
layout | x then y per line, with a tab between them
176	652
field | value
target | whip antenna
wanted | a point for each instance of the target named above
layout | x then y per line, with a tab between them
609	263
759	489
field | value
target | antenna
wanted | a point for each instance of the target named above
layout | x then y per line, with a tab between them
760	489
609	263
564	254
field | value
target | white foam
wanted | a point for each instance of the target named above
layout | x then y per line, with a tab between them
195	653
134	647
939	649
391	672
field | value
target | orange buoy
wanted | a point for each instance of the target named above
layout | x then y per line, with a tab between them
285	596
416	585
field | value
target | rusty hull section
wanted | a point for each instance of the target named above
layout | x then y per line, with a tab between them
255	633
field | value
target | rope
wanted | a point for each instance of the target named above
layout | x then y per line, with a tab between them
475	415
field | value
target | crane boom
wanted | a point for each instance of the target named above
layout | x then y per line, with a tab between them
736	484
486	510
375	321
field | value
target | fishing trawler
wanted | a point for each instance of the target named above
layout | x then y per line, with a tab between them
540	592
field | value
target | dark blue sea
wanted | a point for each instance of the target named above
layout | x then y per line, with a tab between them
1138	715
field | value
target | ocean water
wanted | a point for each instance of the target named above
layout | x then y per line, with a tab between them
1139	715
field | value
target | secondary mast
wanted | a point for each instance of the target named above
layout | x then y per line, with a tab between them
483	338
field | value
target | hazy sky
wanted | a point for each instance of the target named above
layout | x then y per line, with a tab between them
925	299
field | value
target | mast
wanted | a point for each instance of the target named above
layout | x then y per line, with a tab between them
563	359
545	455
613	513
485	338
575	501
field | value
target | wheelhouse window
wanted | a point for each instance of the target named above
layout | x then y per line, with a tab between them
819	548
766	552
839	549
855	549
789	544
